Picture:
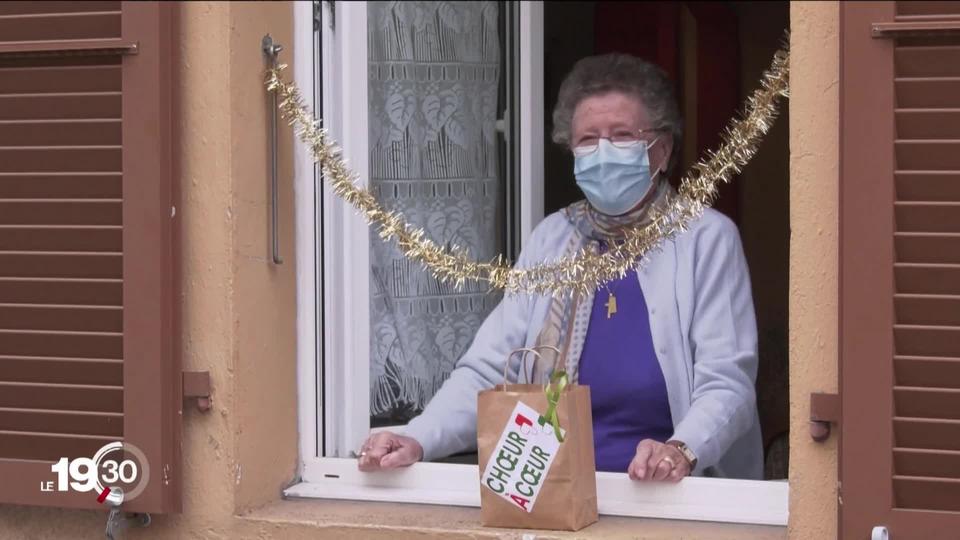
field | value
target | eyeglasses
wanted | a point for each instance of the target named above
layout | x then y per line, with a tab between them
590	145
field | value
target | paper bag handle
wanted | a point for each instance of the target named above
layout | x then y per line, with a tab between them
523	359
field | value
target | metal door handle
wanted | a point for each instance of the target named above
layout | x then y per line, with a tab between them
272	50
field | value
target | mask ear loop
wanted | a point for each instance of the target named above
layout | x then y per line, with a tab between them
660	169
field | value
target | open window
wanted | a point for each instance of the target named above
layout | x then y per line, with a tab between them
377	334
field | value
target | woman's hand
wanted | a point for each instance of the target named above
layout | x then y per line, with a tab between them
658	461
386	450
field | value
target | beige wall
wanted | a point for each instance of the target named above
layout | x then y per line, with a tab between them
238	310
814	110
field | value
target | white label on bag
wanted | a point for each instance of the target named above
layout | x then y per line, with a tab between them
522	458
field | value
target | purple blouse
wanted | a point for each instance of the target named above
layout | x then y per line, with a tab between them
627	388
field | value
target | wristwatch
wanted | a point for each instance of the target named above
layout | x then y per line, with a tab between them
686	451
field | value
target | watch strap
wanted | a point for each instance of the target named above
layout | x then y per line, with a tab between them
685	450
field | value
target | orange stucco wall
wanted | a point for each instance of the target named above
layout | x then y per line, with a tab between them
239	311
814	125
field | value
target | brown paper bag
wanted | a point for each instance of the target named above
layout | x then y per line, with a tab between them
528	478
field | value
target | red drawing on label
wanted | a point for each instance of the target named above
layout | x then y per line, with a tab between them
525	424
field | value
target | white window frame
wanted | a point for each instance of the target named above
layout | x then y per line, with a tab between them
341	347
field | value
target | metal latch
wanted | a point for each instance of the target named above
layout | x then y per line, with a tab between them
196	385
118	521
824	410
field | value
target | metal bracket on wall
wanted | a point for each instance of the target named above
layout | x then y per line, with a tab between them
824	411
272	50
118	521
196	385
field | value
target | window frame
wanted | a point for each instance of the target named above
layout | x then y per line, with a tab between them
327	293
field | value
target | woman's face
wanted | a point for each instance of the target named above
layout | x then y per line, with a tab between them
618	115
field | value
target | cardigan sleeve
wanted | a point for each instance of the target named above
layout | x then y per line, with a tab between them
448	424
723	335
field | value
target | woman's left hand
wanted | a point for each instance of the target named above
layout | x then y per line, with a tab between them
657	461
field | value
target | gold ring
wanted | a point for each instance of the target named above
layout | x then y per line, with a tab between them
668	459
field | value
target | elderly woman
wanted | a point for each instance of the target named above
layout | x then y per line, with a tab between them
669	351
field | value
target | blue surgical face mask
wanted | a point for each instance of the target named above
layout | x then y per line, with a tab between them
615	179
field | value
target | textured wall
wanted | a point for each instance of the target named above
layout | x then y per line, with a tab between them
814	108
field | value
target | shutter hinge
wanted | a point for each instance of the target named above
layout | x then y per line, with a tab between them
196	385
824	410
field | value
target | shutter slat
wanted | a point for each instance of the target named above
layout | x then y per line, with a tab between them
54	317
928	154
59	26
63	265
49	446
928	8
928	247
52	158
927	278
58	370
920	92
929	217
935	434
935	61
100	292
13	7
61	397
928	123
929	463
80	212
97	132
77	185
61	422
927	493
52	343
61	238
929	310
926	341
44	79
928	186
927	402
928	372
59	106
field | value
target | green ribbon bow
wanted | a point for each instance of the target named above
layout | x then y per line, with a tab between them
558	381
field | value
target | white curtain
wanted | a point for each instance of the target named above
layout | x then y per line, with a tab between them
434	71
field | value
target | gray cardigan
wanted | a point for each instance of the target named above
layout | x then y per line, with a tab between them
697	289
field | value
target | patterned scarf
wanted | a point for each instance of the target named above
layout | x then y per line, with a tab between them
569	315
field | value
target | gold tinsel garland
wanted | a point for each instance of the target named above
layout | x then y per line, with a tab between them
585	270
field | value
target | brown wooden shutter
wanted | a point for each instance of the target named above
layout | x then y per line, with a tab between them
900	269
87	338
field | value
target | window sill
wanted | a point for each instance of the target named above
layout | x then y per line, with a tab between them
303	518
